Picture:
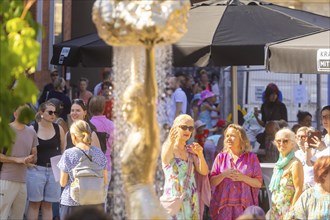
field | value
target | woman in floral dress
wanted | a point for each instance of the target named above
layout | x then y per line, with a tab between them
175	153
288	177
314	203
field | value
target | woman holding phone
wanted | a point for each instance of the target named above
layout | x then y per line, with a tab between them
323	146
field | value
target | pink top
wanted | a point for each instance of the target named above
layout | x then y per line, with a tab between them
234	193
86	96
103	124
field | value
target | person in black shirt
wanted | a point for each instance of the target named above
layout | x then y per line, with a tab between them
49	87
58	93
272	109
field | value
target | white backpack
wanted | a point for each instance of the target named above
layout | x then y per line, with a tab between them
88	187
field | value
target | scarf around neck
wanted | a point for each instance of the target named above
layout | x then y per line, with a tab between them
278	172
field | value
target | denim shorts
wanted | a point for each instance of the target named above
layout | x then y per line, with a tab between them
41	185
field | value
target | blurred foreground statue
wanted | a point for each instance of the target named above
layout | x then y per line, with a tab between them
143	23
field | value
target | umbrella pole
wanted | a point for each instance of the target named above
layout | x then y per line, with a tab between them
234	93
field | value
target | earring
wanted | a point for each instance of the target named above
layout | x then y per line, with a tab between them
42	116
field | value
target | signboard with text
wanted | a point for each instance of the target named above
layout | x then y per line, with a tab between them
323	60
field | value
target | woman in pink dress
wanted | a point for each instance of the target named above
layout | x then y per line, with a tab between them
235	177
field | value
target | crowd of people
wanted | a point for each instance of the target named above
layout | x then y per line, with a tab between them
208	162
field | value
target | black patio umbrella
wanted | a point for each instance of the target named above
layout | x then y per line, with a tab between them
218	34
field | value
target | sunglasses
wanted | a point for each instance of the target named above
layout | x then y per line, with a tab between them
284	141
185	128
325	117
301	136
78	101
52	112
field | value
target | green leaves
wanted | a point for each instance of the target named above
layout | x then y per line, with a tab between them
19	52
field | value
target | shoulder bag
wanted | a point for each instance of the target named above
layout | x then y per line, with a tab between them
172	204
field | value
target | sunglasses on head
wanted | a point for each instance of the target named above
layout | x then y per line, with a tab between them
284	141
301	136
52	112
79	101
185	127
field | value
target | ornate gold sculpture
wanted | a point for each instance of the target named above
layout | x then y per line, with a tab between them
141	23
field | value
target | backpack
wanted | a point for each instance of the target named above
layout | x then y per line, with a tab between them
103	139
102	136
88	187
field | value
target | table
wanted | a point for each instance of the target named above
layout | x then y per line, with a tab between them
267	172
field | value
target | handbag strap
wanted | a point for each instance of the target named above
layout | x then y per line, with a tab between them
89	158
190	164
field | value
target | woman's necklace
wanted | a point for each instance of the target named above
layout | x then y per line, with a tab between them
180	153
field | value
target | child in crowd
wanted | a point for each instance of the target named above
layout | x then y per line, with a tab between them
202	132
206	107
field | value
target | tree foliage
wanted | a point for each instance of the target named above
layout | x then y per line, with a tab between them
19	52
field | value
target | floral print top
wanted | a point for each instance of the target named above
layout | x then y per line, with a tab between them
312	204
282	197
175	174
69	161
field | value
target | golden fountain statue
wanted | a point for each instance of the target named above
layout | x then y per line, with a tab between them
147	23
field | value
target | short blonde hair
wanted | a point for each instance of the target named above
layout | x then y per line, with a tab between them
82	131
244	140
288	132
59	83
303	129
181	118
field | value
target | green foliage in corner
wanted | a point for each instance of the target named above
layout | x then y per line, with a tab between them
19	52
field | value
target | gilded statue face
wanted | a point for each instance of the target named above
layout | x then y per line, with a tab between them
133	103
128	110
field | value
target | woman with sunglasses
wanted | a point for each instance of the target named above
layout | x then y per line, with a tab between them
59	108
42	189
79	112
174	156
236	176
287	181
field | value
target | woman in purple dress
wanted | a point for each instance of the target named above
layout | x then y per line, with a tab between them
235	177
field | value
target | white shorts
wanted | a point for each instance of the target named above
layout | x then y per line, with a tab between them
12	199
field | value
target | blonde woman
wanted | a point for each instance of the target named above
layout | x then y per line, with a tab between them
236	176
175	152
81	138
287	181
